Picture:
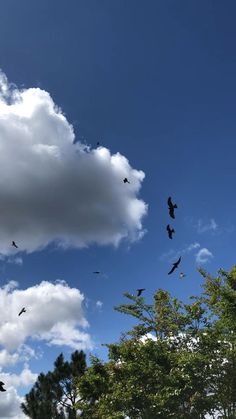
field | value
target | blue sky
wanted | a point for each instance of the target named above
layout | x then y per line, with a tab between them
155	82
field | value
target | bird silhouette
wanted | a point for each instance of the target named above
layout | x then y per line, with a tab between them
97	272
98	144
140	290
175	266
182	275
171	207
170	231
125	180
1	386
22	311
14	244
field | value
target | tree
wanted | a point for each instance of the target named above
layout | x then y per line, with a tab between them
179	359
54	395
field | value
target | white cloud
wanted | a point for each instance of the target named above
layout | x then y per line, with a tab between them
64	333
10	401
16	260
202	228
6	358
54	313
55	190
25	378
10	405
99	304
203	255
23	353
172	254
148	336
192	247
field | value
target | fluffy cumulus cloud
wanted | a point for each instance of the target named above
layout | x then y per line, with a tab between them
203	255
54	314
10	403
54	189
23	353
25	378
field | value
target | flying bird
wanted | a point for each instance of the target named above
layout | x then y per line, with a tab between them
22	311
125	180
171	207
101	274
1	386
14	244
175	266
170	231
140	290
182	275
98	144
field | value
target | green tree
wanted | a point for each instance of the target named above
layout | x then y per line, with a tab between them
54	395
185	369
220	298
144	376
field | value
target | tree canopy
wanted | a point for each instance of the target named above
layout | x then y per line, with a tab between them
178	360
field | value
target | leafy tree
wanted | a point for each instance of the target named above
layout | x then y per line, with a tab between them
54	394
179	360
220	298
185	369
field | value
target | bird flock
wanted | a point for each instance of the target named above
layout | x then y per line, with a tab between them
170	232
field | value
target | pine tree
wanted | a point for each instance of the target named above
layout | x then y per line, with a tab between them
54	394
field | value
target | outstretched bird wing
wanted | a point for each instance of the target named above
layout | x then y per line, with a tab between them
22	311
171	212
1	386
175	265
172	270
178	261
140	290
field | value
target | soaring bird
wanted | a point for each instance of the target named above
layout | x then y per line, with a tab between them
1	386
175	266
22	311
182	275
171	207
14	244
140	290
170	231
125	180
101	274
